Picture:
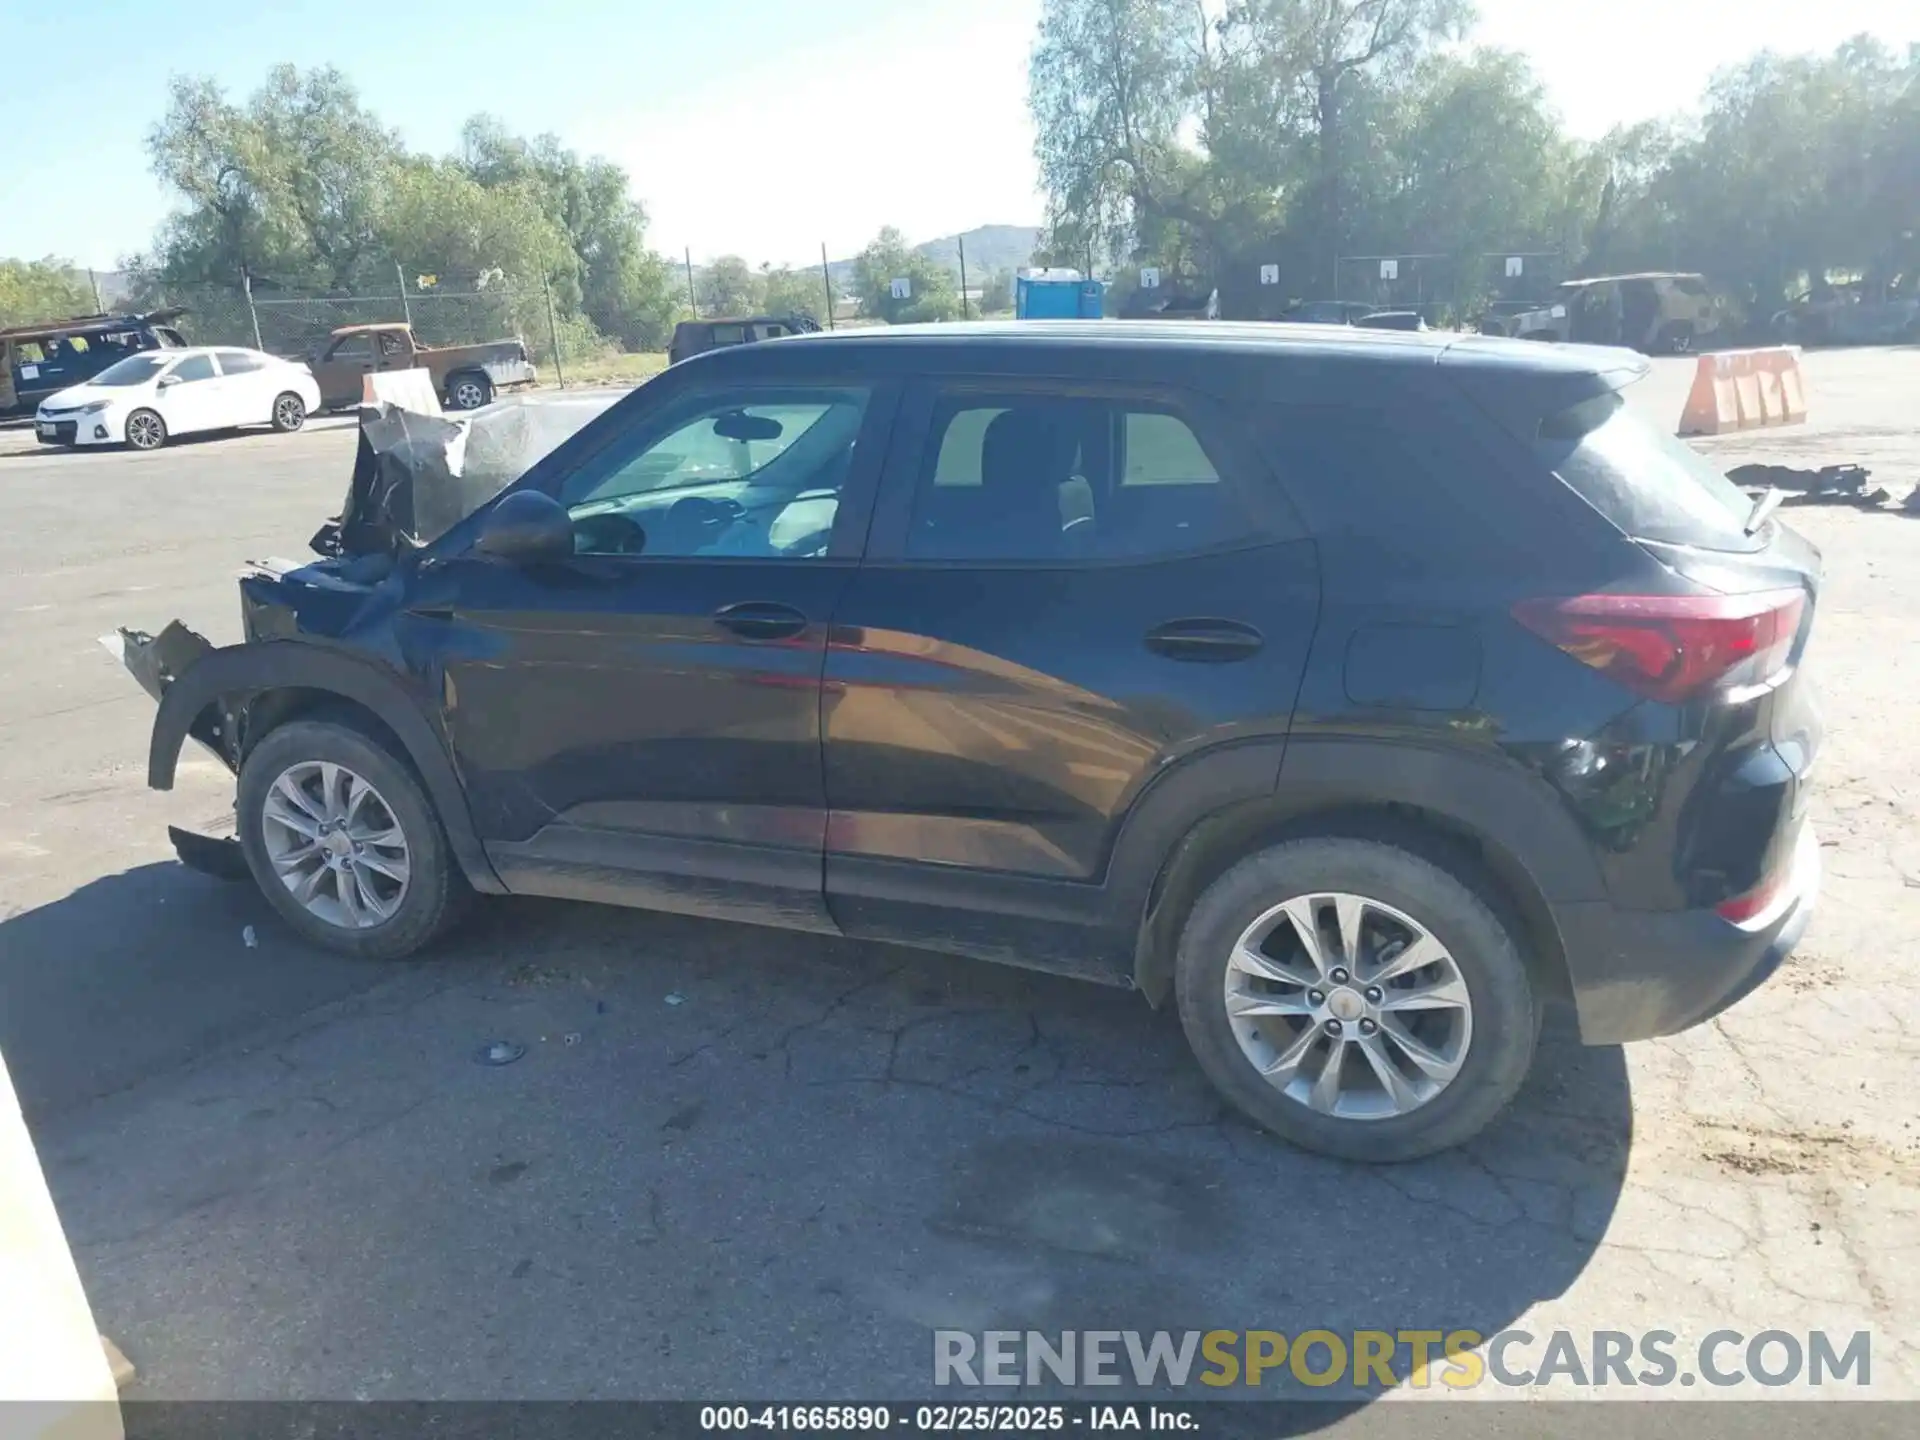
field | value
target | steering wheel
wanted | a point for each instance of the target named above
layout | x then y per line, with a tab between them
608	534
703	511
694	522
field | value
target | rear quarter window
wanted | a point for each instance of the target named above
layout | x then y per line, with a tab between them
1652	486
1423	488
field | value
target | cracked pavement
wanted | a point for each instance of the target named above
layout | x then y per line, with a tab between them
740	1162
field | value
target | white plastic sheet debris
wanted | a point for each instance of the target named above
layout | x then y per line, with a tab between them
415	476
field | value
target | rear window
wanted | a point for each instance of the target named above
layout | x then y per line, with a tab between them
1651	485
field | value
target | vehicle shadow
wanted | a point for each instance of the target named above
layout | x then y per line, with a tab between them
724	1161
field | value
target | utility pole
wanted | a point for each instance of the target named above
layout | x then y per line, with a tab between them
406	309
553	332
960	240
246	284
693	302
826	281
94	281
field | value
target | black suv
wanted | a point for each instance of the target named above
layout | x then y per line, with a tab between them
697	337
1364	691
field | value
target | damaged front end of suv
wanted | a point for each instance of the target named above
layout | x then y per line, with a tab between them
332	635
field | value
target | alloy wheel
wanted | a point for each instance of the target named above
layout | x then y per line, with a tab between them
289	413
145	430
468	395
1348	1006
335	844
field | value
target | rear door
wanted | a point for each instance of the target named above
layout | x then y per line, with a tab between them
249	386
1068	590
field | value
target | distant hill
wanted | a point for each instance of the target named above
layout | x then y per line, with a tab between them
989	248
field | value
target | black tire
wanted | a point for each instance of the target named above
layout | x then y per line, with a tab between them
469	390
435	893
1676	339
149	433
289	412
1505	1011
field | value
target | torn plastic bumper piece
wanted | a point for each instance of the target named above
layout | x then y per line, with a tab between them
156	661
217	855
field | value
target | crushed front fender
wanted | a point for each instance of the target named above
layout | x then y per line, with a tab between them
156	661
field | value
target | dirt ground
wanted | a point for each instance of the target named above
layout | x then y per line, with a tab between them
737	1162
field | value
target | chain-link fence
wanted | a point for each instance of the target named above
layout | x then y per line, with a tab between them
296	325
1428	284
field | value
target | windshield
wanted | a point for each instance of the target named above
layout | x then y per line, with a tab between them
1651	485
134	370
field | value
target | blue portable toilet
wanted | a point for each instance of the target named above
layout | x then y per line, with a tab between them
1057	294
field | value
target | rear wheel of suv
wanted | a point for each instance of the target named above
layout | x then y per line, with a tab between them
344	843
1356	999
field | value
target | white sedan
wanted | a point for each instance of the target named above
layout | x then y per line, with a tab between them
146	399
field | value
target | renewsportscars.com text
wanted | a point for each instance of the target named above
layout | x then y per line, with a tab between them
1383	1359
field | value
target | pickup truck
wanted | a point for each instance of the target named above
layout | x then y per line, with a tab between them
466	376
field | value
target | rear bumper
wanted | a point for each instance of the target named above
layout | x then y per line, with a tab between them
1638	974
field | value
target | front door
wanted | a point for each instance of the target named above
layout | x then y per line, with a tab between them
342	370
189	397
642	724
1068	590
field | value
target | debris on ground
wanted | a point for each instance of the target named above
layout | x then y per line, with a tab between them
676	999
249	938
500	1052
118	1365
1829	485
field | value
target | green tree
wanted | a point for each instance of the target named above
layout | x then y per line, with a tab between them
788	291
626	290
931	291
729	286
499	242
439	221
1787	175
1469	160
1174	133
288	186
47	289
996	295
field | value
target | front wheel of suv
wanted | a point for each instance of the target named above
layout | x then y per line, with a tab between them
1356	999
344	842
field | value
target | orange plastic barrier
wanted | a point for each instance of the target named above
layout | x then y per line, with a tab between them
1746	390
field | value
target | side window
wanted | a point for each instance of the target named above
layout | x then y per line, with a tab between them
1064	478
741	473
957	462
354	347
390	345
1418	488
194	367
238	362
729	334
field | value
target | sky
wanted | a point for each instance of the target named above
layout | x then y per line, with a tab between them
756	127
